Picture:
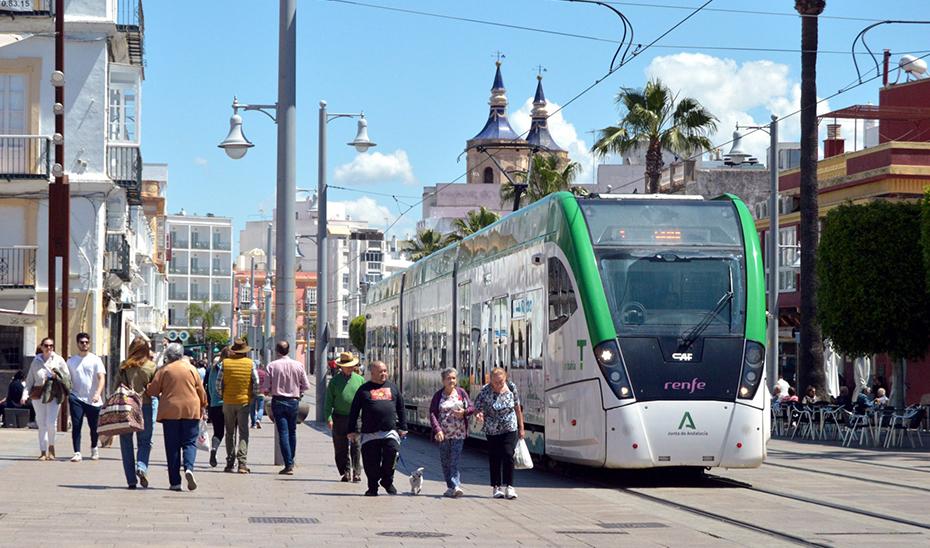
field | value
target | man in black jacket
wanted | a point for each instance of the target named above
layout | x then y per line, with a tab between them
381	406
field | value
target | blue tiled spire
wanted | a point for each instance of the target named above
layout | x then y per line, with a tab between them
539	128
497	127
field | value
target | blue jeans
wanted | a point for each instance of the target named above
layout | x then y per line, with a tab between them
79	410
257	411
180	437
449	453
140	460
285	421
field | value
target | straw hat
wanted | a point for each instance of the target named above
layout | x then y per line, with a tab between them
240	347
346	359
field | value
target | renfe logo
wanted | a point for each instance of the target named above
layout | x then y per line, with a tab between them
691	386
683	356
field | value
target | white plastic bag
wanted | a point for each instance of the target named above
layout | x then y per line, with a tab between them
521	456
203	438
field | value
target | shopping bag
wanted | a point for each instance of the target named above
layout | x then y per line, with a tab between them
521	456
203	438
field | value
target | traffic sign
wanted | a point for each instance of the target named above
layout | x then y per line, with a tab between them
172	335
183	336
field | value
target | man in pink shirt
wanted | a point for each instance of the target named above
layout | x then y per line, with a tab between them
286	382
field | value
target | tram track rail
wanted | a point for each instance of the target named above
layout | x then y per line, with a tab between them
776	452
870	481
820	502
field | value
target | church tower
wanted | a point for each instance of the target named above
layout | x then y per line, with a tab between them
539	137
497	138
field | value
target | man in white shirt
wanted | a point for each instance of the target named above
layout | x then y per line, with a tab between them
86	398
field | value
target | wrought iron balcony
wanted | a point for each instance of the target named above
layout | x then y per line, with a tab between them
177	268
21	8
24	156
200	244
116	257
124	167
177	295
221	245
17	267
200	270
130	21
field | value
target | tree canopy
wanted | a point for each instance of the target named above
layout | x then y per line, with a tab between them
872	296
427	242
357	332
473	221
548	176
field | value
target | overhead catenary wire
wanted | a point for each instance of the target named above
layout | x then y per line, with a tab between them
639	51
613	41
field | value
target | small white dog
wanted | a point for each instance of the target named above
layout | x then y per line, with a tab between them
416	481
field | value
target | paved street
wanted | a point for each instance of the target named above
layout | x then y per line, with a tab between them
87	504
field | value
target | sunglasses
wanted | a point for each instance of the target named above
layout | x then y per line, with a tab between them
48	346
84	341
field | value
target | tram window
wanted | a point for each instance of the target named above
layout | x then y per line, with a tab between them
442	341
562	303
463	329
518	334
535	330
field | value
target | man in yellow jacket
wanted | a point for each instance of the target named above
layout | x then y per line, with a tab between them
237	382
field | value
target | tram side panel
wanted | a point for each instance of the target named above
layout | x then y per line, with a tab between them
427	326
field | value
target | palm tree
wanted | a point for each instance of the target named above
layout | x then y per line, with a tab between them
810	352
473	221
427	242
207	315
548	176
657	119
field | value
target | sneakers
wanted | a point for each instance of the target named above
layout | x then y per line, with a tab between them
372	492
191	481
391	490
450	492
175	488
510	492
345	478
243	469
497	493
77	457
457	492
258	425
143	478
131	487
213	458
94	454
356	479
287	471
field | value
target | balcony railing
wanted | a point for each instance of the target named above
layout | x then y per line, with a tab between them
116	257
221	296
179	243
177	269
199	244
19	8
200	270
177	295
200	295
130	19
124	167
24	156
147	318
17	266
221	245
221	271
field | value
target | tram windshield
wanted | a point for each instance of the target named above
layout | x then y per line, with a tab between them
670	268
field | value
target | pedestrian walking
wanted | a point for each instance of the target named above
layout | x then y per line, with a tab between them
237	382
498	405
381	407
47	384
448	415
86	397
339	395
136	372
286	382
215	410
182	403
257	411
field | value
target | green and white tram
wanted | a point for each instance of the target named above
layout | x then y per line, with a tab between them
633	326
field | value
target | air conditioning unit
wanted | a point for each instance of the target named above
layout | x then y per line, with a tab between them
787	204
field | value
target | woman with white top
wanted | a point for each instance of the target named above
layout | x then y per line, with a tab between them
47	384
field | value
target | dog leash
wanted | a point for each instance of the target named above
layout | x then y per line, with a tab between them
400	457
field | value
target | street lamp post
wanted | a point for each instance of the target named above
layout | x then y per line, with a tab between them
236	145
361	144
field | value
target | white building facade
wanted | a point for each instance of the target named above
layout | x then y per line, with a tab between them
103	130
199	268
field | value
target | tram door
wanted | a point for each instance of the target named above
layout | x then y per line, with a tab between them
500	326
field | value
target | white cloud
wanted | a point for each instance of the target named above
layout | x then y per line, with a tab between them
368	209
733	92
375	167
564	133
200	161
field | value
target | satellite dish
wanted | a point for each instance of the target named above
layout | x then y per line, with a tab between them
912	65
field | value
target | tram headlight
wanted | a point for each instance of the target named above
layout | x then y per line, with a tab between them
608	358
751	376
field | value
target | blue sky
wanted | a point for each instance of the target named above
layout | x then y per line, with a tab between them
423	83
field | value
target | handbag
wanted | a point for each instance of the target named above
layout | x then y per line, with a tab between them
521	456
36	391
122	413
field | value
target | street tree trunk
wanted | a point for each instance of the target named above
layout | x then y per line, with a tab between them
653	167
810	352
